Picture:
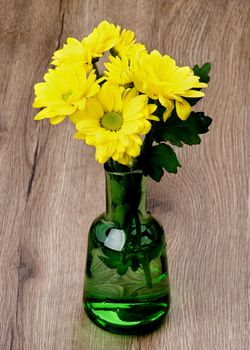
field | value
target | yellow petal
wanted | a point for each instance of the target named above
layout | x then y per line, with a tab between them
45	113
57	120
87	125
134	150
153	117
82	104
193	93
183	109
103	153
169	104
79	135
106	98
134	106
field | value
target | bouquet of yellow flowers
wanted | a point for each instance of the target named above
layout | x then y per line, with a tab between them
128	112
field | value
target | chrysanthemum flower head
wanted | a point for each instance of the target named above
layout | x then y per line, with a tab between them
113	121
122	69
160	78
126	45
73	52
102	39
64	90
119	71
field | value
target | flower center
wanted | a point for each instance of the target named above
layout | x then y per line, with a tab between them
112	121
66	95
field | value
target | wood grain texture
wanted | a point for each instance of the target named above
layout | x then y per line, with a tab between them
51	188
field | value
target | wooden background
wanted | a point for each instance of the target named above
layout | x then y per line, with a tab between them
51	188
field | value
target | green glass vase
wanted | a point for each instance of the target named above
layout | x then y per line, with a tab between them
126	288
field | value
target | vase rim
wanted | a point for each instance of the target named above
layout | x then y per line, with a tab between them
122	173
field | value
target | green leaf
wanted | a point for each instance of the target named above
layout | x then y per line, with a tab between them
203	72
158	158
164	156
155	172
177	131
205	122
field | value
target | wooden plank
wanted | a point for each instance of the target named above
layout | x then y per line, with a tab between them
51	188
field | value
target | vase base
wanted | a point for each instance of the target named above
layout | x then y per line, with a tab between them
127	317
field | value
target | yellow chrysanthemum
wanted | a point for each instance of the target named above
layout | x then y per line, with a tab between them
113	121
64	90
126	44
119	71
73	52
102	39
160	78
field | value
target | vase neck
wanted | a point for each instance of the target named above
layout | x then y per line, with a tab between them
125	194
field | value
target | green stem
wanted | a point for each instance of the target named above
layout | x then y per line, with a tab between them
145	263
110	164
147	273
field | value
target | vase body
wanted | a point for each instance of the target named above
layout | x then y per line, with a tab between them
126	288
